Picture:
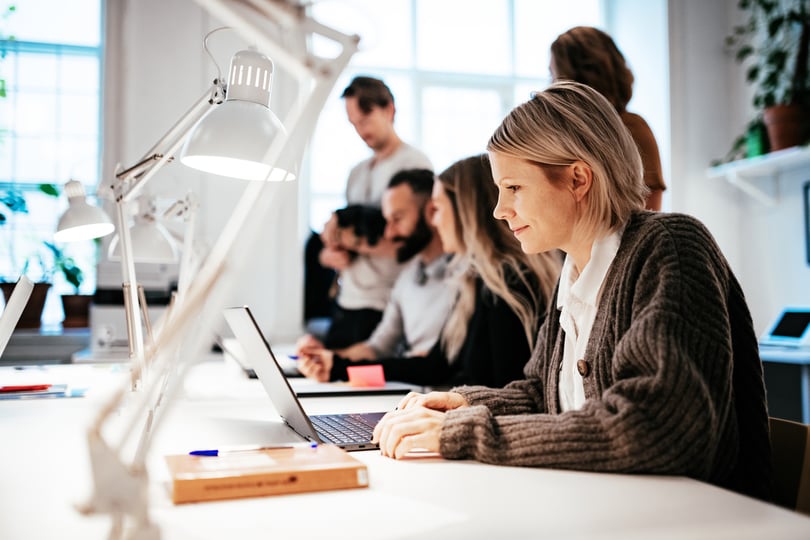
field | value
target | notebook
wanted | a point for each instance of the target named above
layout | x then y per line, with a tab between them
790	329
348	431
13	310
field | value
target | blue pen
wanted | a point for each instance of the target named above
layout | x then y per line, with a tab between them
292	356
215	452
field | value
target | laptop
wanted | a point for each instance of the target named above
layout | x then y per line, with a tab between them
790	329
348	431
13	310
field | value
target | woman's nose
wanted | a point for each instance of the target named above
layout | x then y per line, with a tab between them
501	210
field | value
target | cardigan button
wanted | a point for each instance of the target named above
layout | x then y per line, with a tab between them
583	367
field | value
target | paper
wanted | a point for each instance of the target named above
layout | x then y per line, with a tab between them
366	376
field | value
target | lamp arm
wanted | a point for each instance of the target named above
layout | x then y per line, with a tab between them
129	182
121	490
127	186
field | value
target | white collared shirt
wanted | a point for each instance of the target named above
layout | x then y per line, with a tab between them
577	302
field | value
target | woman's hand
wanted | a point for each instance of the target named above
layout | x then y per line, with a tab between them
307	342
316	364
400	432
416	424
440	401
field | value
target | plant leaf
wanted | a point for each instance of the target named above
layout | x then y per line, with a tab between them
49	189
15	202
744	52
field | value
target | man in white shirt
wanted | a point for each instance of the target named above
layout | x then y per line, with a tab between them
366	280
421	298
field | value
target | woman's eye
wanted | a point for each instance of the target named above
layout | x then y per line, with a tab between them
513	189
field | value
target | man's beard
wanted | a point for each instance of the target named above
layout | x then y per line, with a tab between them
416	242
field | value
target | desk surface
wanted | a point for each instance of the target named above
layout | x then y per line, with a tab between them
46	469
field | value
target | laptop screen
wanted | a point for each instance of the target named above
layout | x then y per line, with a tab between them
793	324
791	328
247	331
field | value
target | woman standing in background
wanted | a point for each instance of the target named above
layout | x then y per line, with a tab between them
589	56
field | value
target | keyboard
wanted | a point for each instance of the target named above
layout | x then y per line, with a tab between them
343	428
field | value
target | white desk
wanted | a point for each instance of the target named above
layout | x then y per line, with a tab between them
45	469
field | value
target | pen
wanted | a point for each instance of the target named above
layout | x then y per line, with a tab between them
292	356
215	452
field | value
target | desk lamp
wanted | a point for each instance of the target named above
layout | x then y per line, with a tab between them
81	221
121	484
151	243
204	132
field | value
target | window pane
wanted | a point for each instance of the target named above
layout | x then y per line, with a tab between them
79	74
36	159
523	91
454	37
6	157
321	209
77	22
458	122
78	115
35	113
384	28
34	72
537	25
51	121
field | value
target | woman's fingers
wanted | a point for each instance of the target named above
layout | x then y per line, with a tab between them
401	431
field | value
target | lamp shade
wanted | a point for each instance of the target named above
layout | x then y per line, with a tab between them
81	221
232	139
151	243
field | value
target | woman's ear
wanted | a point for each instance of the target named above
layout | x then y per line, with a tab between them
581	180
429	211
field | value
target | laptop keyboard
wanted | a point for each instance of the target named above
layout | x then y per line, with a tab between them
342	428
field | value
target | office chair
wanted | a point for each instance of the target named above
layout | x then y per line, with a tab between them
790	457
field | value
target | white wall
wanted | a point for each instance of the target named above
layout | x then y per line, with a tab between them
646	49
161	70
709	108
157	70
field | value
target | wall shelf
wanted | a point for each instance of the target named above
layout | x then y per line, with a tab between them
757	176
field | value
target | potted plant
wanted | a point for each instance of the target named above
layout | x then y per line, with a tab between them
773	44
34	262
76	306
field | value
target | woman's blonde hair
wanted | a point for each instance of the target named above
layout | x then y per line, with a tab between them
571	122
490	250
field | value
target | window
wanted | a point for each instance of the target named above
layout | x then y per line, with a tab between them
49	129
455	73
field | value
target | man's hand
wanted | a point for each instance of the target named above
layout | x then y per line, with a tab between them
335	258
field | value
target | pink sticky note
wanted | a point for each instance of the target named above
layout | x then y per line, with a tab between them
368	376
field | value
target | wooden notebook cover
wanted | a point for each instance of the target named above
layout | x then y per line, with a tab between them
263	472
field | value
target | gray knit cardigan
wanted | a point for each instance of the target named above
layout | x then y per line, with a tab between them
673	381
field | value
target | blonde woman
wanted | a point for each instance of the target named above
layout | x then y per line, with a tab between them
502	300
648	364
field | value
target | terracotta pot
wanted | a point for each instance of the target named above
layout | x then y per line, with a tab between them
32	314
77	310
787	126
